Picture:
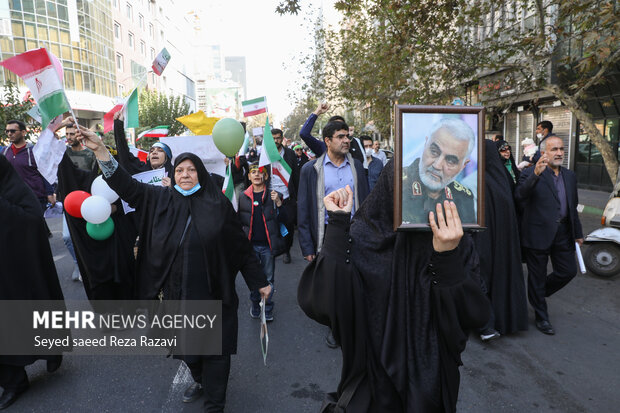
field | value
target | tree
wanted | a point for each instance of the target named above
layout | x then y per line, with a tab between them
14	107
388	51
158	109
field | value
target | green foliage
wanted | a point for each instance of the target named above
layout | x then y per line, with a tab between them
159	109
12	106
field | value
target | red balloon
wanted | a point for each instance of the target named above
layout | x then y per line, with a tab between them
73	203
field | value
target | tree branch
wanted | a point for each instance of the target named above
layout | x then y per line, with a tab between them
611	60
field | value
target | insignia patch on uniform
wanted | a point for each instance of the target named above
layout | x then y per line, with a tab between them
448	193
416	188
461	188
255	203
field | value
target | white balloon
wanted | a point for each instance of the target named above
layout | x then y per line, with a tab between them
101	188
96	209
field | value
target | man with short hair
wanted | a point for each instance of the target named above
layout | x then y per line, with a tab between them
374	165
544	130
335	169
289	192
378	153
21	156
431	179
550	226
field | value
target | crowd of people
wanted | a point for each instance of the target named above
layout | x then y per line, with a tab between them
399	304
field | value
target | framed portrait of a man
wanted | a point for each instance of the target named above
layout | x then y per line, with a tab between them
438	156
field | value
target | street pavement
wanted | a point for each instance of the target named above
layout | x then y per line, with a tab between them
574	371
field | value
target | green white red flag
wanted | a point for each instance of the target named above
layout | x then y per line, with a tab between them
269	154
254	106
129	106
156	132
36	68
228	188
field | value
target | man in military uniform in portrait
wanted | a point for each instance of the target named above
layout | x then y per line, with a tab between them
430	179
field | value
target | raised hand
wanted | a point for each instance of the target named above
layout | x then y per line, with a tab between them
339	200
541	164
447	231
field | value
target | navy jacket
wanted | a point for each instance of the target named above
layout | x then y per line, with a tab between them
538	198
311	220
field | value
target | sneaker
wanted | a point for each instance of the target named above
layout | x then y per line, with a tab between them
330	340
255	310
76	276
287	258
268	316
192	393
489	334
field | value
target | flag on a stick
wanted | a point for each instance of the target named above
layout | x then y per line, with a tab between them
36	68
139	153
269	154
130	111
156	132
254	106
228	188
199	123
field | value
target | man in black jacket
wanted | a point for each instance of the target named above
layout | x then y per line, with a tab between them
550	226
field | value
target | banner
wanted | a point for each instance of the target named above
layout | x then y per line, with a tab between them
48	153
161	61
202	146
153	177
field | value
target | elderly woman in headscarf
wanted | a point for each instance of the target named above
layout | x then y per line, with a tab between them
191	247
400	304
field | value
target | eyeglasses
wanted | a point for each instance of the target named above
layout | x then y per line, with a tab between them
504	149
7	131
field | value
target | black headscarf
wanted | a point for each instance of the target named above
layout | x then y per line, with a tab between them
515	170
417	367
500	264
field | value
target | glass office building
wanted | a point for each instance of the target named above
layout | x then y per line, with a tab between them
89	73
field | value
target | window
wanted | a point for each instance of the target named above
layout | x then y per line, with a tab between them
121	89
130	39
151	31
142	48
115	4
129	11
161	35
152	54
119	62
117	31
141	21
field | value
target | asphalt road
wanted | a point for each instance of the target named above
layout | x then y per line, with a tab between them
574	371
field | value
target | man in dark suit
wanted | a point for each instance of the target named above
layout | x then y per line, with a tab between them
547	192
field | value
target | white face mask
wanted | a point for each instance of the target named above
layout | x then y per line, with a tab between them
540	135
369	151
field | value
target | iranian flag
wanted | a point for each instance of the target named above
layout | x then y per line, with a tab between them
139	153
254	106
228	188
269	154
37	70
156	132
129	106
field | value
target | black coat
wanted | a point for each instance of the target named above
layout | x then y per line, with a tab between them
399	310
127	159
164	214
271	217
27	271
538	199
499	247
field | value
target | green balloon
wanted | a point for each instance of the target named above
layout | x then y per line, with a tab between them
101	231
228	136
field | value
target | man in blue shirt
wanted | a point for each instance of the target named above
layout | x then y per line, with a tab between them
333	170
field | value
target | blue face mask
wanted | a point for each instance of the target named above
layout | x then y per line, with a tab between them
188	192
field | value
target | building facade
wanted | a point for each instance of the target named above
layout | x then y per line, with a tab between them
88	64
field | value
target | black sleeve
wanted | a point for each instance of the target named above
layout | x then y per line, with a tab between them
459	304
527	182
129	189
124	155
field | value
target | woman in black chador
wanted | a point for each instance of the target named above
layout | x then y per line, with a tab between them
191	248
27	273
398	303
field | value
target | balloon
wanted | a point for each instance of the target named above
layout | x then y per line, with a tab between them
100	232
228	136
73	203
101	188
96	209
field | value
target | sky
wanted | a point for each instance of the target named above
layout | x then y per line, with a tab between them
272	44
